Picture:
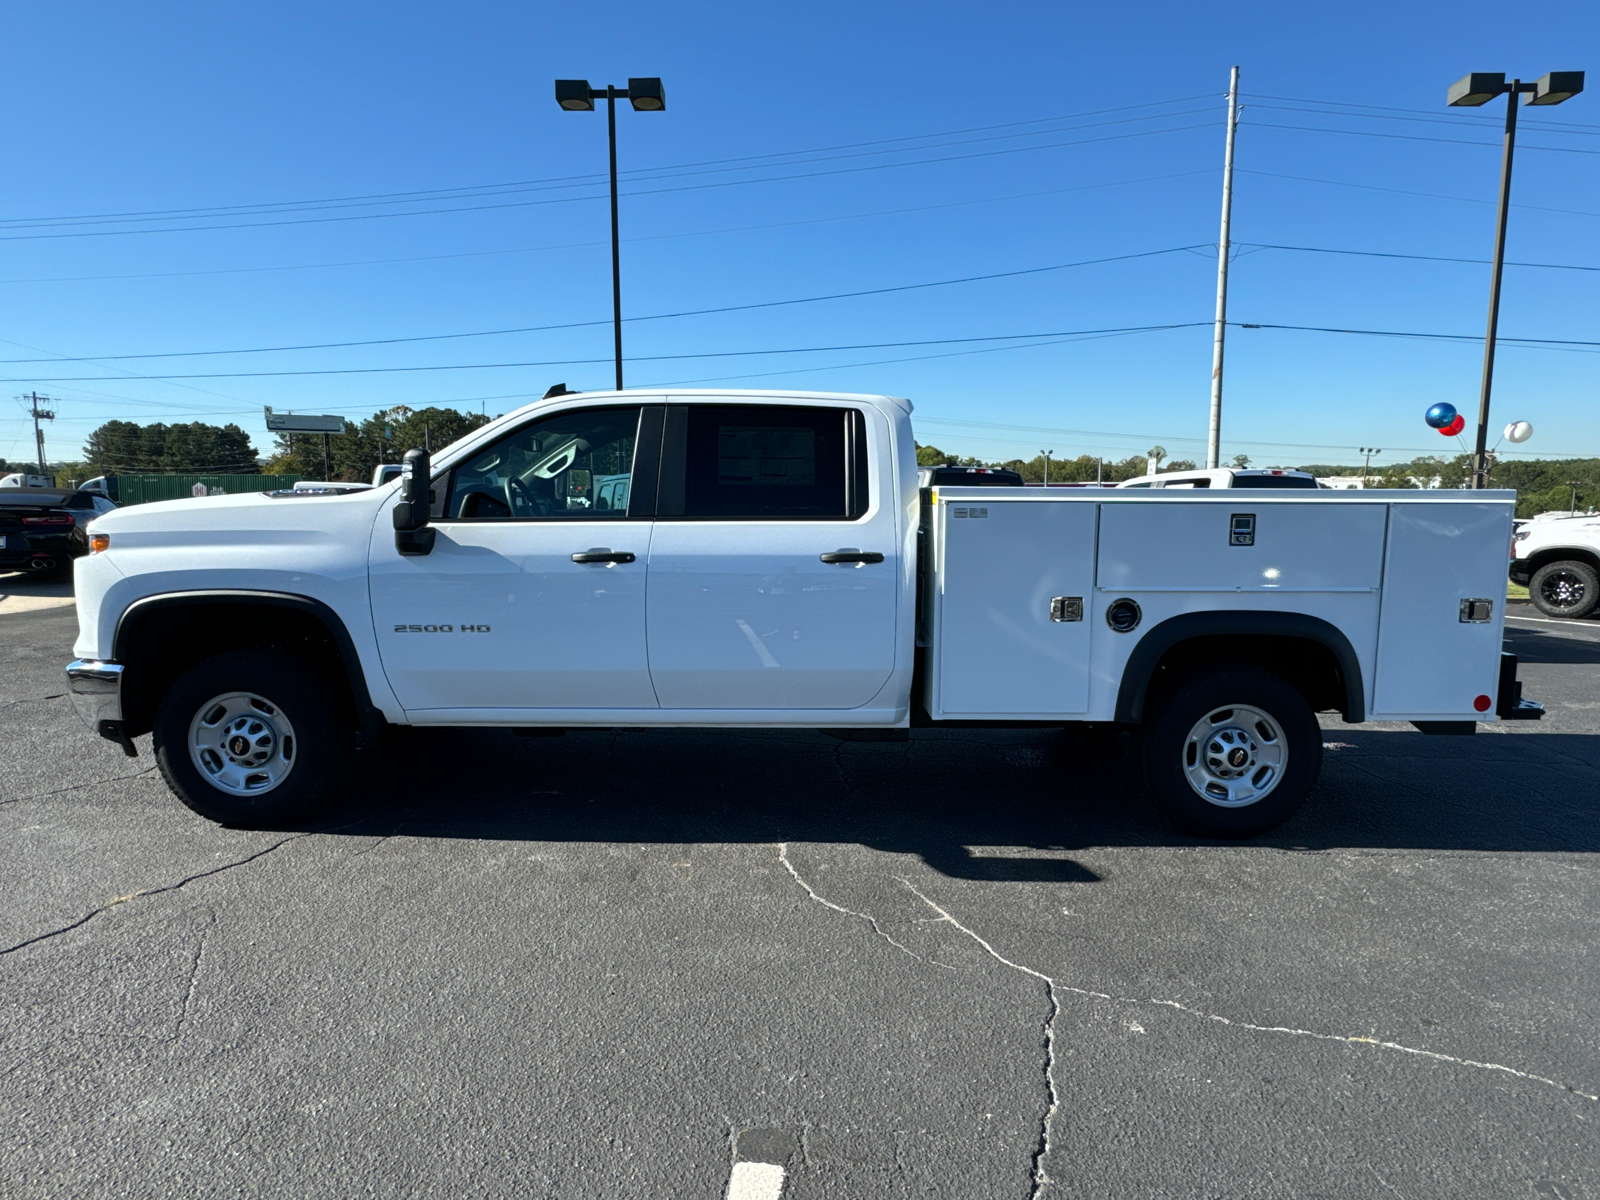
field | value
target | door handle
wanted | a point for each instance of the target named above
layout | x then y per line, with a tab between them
852	556
602	554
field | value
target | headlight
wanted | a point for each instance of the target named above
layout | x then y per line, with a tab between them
1520	535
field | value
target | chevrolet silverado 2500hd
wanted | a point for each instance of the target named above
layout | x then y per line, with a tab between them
757	559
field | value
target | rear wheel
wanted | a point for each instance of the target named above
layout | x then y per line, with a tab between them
248	739
1232	752
1565	589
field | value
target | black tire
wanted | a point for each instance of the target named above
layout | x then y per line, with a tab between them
1565	589
309	756
1169	752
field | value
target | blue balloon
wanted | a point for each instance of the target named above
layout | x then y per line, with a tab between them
1441	415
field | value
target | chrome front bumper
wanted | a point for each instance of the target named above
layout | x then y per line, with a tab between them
96	691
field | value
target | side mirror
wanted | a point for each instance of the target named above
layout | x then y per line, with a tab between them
411	533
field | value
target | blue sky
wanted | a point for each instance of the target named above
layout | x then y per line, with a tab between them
905	145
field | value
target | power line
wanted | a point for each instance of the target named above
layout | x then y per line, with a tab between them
1493	123
578	362
649	175
573	180
1528	343
598	196
1417	257
368	262
1456	121
1442	337
1413	137
586	324
1372	187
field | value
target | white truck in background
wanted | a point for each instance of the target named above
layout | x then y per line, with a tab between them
741	559
1556	556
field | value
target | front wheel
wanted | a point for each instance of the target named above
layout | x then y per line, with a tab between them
1232	752
248	739
1565	589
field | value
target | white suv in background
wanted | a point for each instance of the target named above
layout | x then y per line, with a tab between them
1223	477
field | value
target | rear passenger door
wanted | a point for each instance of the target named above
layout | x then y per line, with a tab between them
743	610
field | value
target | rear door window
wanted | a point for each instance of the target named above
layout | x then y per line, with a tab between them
770	462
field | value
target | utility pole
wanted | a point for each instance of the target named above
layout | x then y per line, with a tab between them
1214	444
39	414
1046	454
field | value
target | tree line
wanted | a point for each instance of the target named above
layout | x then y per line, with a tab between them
383	437
1541	484
196	448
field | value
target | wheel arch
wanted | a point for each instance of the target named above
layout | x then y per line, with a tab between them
1553	554
1311	654
159	637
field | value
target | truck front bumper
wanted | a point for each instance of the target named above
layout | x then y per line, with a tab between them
96	691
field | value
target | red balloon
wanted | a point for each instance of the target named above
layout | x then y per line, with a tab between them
1455	426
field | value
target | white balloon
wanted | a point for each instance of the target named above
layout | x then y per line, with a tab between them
1518	431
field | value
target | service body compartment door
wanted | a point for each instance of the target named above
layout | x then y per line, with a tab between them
1431	663
1003	564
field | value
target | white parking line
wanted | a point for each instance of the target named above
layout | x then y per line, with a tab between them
1568	622
755	1181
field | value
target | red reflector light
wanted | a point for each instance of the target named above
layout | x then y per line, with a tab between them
1482	703
52	519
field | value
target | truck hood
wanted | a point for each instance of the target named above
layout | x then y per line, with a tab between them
251	512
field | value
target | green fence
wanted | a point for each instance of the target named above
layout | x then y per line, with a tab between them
142	489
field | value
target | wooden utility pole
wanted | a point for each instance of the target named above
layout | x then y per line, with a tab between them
1214	442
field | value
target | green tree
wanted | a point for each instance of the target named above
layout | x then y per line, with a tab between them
931	456
125	448
383	437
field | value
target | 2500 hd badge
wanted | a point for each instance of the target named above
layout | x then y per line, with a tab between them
441	628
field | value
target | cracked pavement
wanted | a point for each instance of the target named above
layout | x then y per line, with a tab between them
971	965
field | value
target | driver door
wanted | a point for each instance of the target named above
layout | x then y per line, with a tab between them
533	597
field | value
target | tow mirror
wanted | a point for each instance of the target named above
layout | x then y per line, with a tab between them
411	533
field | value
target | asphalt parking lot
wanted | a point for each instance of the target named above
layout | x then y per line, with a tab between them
973	965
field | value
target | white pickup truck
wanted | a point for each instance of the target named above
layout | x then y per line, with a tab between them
720	559
1557	558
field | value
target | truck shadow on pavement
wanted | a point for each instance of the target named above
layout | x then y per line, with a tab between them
1001	806
1531	647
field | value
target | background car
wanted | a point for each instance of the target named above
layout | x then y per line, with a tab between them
44	529
1224	477
967	477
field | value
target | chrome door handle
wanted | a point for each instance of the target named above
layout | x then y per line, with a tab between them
850	555
602	554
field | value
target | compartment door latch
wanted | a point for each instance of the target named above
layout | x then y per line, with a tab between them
1066	608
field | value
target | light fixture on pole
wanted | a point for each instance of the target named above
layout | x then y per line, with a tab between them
1047	454
646	95
1471	91
1369	453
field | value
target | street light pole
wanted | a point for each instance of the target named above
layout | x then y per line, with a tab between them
646	95
1368	452
1480	468
616	240
1473	91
